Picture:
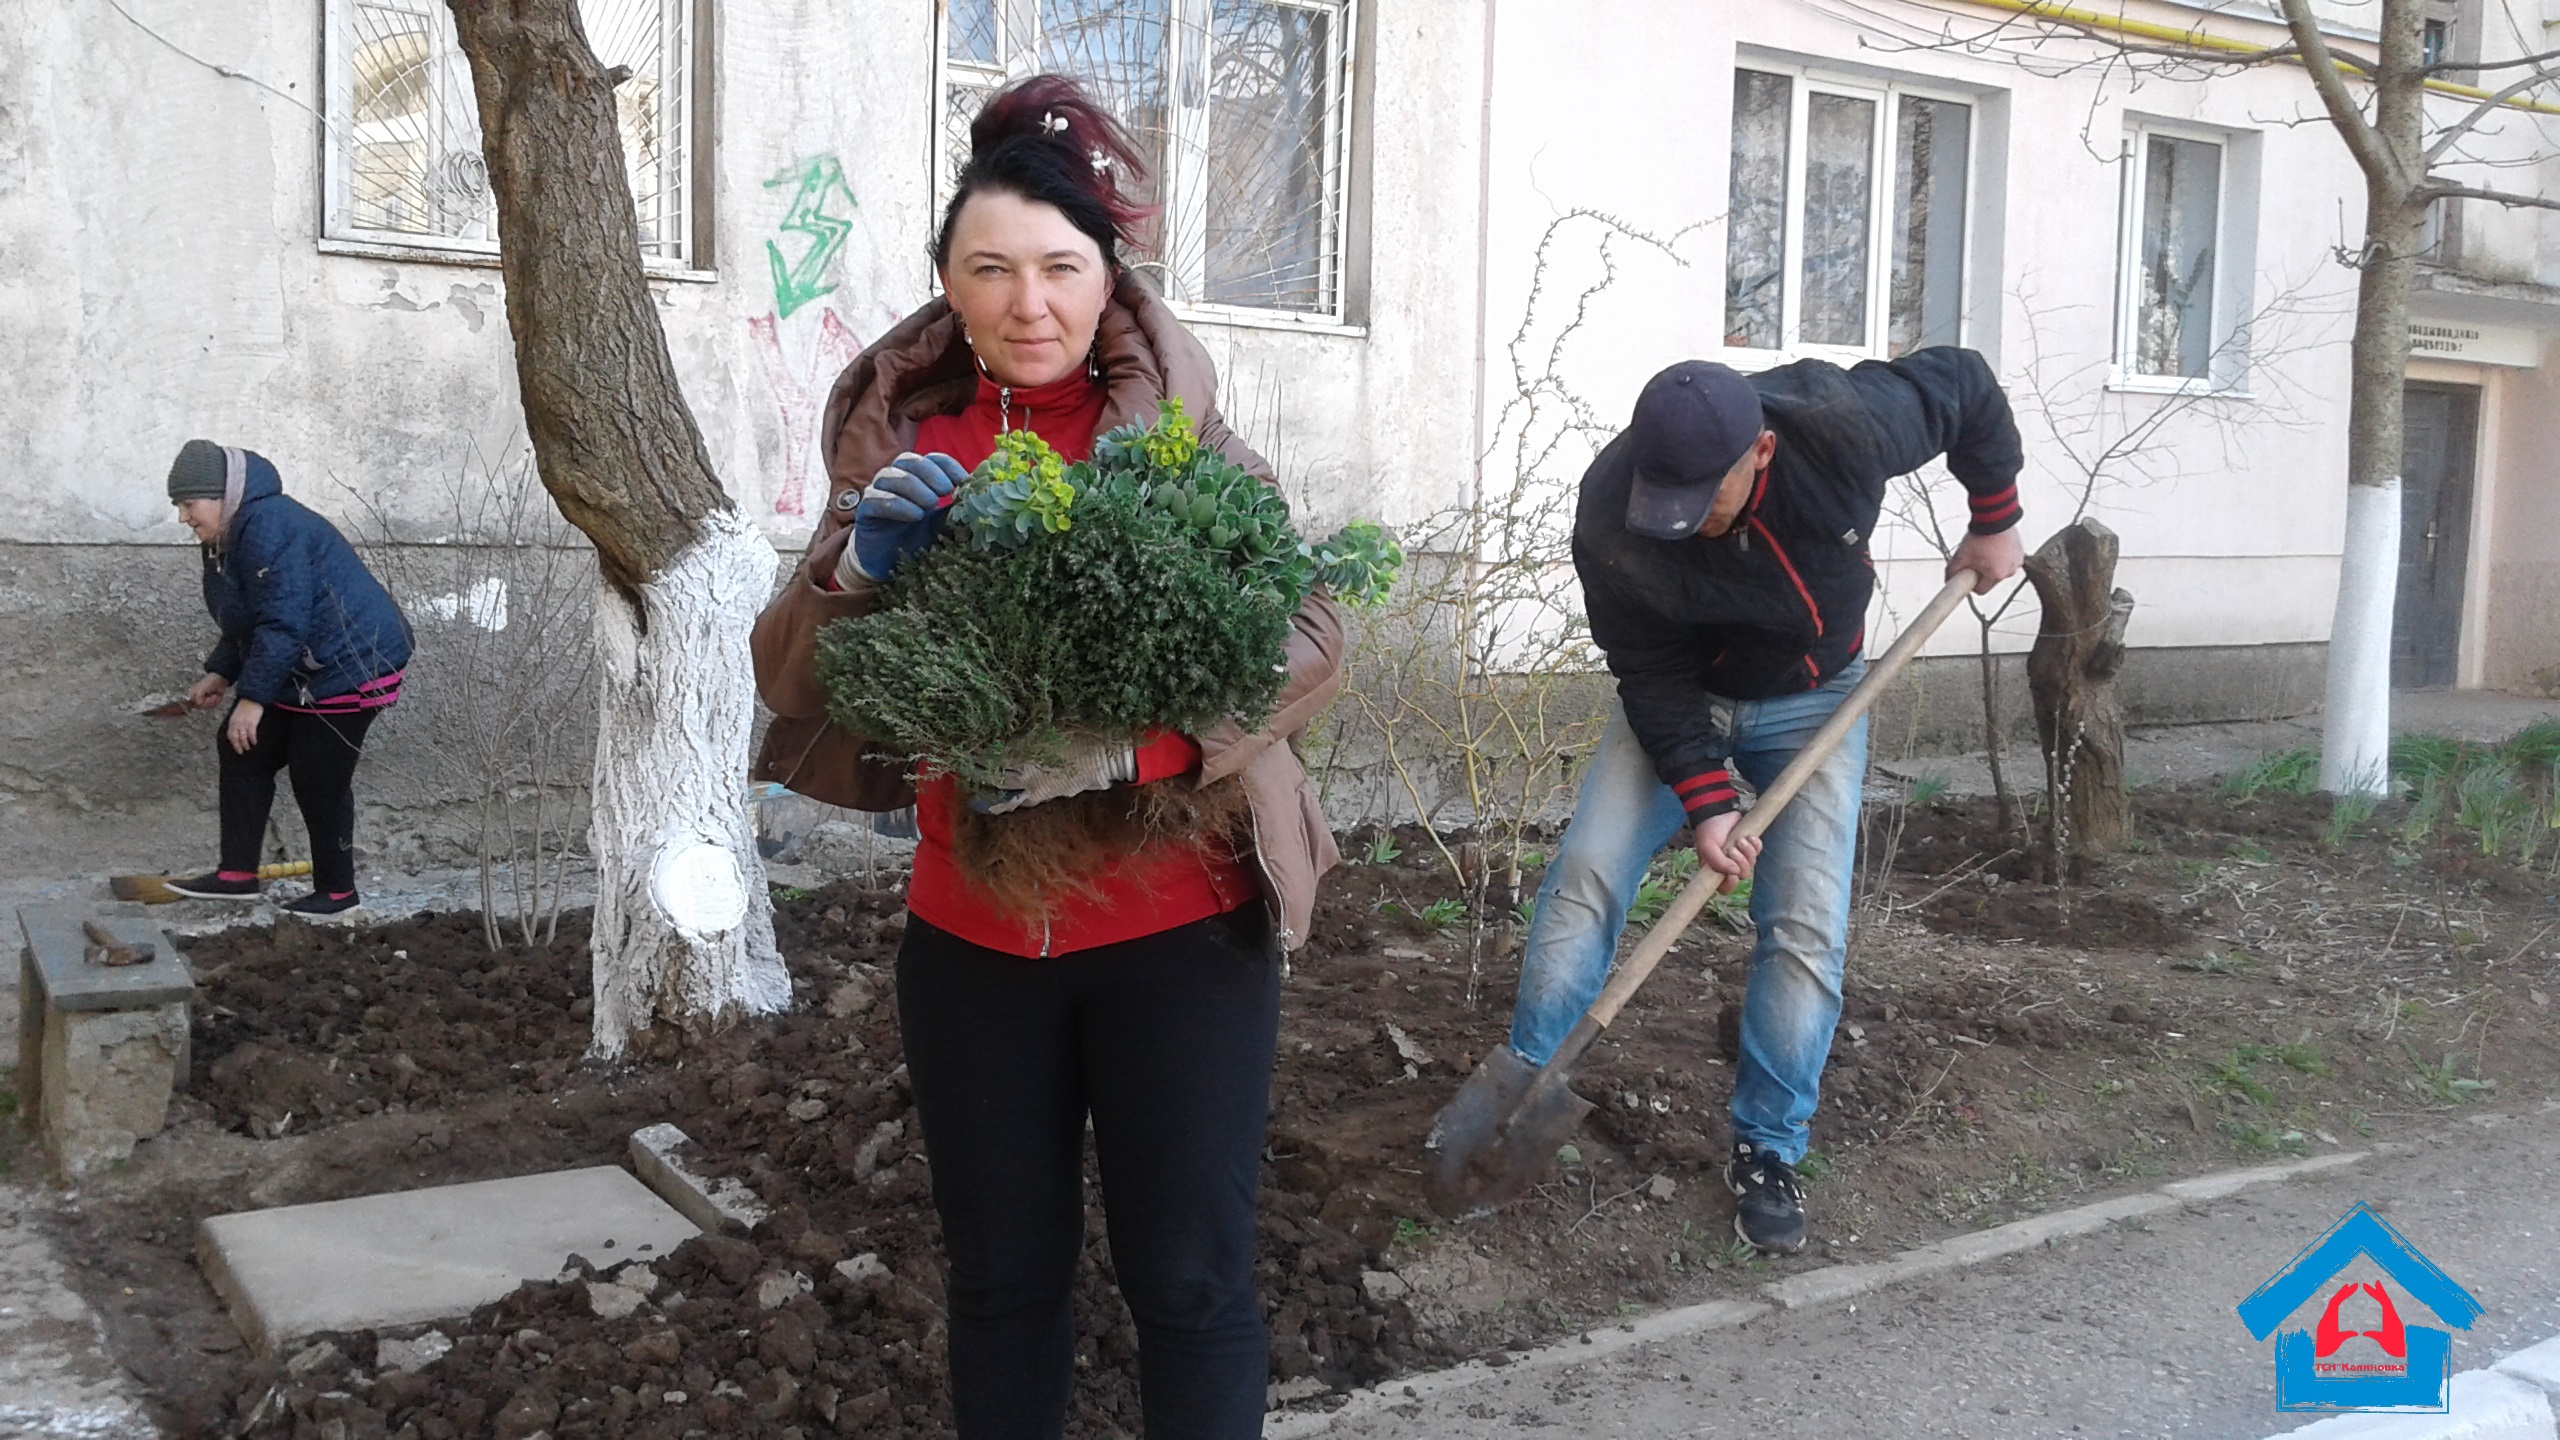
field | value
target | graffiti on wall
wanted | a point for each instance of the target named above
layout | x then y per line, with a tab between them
800	393
821	340
817	183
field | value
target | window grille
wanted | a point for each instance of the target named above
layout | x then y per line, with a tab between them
1241	108
404	164
1845	231
2167	324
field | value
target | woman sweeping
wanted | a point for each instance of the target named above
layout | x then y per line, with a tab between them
1146	999
312	649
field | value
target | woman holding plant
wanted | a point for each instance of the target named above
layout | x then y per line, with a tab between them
1094	925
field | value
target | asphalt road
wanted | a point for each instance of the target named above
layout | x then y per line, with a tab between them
2128	1332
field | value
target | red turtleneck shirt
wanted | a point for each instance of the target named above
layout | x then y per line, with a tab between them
1163	886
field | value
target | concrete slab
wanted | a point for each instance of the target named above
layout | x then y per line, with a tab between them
2483	1405
419	1255
659	1153
2539	1366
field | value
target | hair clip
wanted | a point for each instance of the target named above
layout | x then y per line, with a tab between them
1052	121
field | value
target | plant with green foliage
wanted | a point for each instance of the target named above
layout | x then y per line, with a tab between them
2288	772
1148	587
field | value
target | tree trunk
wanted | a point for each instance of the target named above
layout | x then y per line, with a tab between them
2071	672
2388	147
683	927
2355	751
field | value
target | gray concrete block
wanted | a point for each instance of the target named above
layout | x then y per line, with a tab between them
722	1205
2484	1405
2538	1366
106	1080
2230	1182
2038	1230
421	1255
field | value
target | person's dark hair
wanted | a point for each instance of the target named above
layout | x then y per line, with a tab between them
1041	138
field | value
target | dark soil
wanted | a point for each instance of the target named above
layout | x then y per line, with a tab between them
2227	990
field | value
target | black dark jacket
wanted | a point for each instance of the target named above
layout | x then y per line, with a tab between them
302	620
1777	604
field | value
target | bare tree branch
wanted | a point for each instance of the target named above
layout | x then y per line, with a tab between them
2488	105
2445	190
2442	66
2363	141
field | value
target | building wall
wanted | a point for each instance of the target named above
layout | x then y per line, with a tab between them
165	279
2231	516
2518	556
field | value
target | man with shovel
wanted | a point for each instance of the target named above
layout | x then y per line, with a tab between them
1721	542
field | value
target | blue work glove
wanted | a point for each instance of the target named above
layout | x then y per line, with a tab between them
900	513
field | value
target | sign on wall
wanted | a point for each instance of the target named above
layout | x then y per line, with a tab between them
2478	344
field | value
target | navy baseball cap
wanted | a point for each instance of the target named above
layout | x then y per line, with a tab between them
1692	422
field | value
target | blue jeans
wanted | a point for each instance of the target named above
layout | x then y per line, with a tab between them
1799	902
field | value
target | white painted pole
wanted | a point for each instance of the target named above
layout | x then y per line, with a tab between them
2355	754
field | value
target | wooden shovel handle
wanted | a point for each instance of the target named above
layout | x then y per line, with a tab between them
1693	897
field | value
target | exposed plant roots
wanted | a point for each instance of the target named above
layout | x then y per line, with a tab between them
1027	861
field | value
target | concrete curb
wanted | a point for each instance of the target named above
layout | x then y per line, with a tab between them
1841	1282
1592	1345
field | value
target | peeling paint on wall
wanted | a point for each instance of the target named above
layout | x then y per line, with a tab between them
483	604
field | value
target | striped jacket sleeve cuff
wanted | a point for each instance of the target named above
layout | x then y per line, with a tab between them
1707	794
1995	511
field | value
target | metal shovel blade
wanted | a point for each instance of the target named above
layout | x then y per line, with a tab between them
1499	1134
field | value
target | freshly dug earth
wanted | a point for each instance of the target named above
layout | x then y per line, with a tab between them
2230	989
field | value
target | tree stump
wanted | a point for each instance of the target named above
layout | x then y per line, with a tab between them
2071	673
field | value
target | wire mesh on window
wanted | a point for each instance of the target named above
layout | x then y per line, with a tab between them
1755	255
1238	107
412	139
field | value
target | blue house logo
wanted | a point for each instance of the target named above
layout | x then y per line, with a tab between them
2408	1367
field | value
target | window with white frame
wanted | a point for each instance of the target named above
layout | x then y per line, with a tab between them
403	160
1846	228
1241	108
2167	320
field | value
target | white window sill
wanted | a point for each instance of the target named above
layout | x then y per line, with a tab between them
2124	384
1752	362
1241	318
487	259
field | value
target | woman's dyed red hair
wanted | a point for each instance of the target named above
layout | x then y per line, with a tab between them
1044	139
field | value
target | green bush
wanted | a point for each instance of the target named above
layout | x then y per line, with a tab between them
1150	586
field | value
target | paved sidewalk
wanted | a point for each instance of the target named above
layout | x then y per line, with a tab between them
57	1381
2202	754
2129	1332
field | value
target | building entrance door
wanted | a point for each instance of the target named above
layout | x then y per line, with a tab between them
2438	438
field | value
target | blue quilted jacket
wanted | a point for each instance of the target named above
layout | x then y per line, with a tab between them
302	619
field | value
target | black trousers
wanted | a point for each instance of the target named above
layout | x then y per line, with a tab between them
1167	1043
321	751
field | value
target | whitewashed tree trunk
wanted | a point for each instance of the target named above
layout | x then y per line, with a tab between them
683	925
2355	751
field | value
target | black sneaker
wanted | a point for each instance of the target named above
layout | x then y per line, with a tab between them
316	903
211	886
1768	1199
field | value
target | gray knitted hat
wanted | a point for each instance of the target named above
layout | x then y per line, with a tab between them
198	472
